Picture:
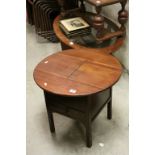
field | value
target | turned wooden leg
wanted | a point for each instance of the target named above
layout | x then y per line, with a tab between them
109	106
82	6
98	22
88	123
123	16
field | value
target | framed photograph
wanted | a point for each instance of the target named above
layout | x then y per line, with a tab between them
73	24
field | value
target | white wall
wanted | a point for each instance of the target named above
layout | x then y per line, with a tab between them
112	12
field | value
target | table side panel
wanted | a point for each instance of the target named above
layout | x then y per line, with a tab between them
75	107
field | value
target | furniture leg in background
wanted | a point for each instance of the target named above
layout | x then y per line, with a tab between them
29	11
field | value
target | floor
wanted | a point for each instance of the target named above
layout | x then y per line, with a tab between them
110	137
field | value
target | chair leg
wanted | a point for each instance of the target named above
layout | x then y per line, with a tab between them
109	110
51	122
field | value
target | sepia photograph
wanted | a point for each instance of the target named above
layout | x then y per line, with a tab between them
73	24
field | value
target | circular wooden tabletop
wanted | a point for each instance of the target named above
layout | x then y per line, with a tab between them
64	39
77	72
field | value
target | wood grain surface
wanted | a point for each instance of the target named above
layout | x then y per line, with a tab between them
77	72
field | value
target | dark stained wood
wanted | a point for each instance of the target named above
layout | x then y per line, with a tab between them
98	22
88	122
29	11
109	107
78	84
98	19
84	109
123	16
44	12
63	71
82	6
67	5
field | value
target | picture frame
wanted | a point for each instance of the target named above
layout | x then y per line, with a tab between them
74	24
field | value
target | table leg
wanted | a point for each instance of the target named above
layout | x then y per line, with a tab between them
50	114
51	122
109	106
88	123
109	110
88	135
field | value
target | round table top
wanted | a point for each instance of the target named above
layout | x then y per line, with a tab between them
108	49
77	72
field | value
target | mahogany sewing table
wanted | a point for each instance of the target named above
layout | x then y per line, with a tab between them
78	84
